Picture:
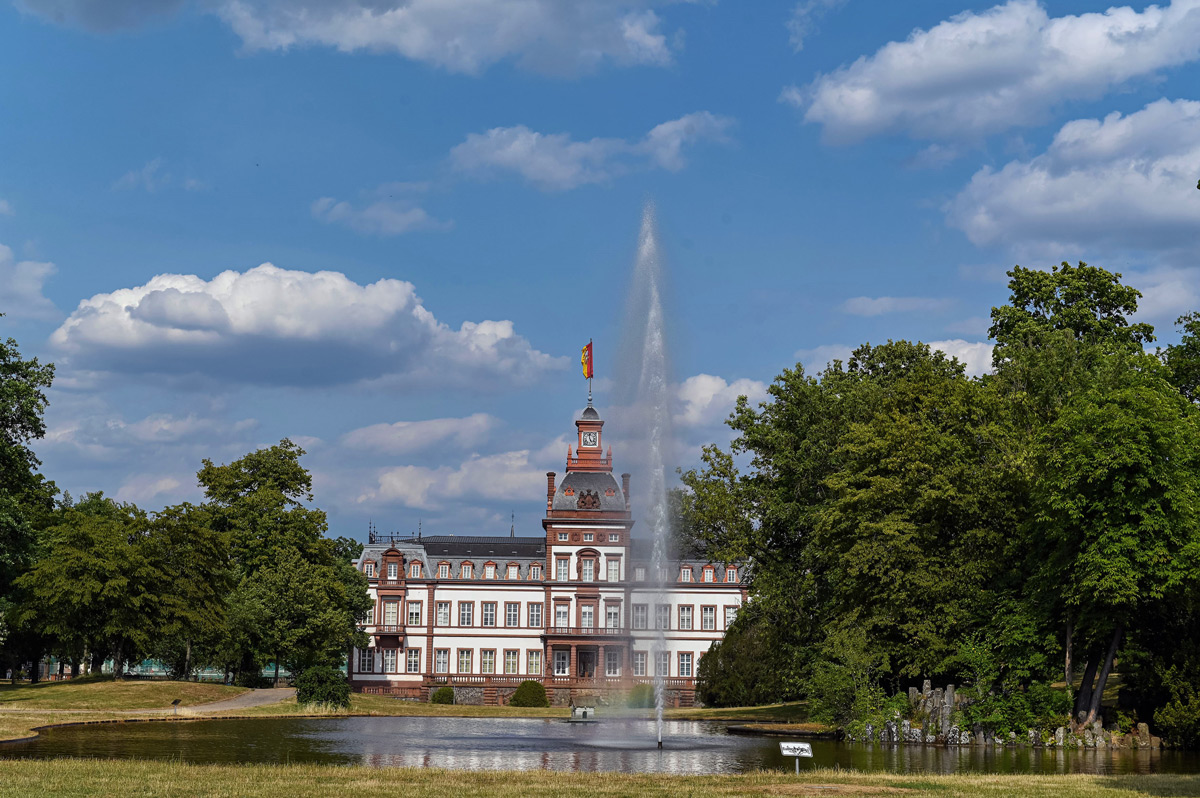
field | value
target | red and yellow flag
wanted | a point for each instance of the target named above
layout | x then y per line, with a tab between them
585	360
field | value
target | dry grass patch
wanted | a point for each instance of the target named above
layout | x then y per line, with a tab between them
97	694
82	778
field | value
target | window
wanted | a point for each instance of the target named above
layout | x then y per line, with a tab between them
535	571
441	660
613	537
464	660
414	613
708	618
614	570
612	616
562	663
512	662
489	613
612	663
685	574
512	614
489	571
414	660
391	613
730	616
562	537
534	659
639	616
466	612
639	663
639	574
535	616
730	574
588	537
468	570
366	660
370	569
391	571
685	617
443	613
685	665
588	568
562	569
514	572
587	616
444	570
662	663
662	616
487	661
389	660
414	571
369	616
708	574
562	615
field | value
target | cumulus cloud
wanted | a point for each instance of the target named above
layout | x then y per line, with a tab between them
803	21
556	162
277	326
979	73
6	208
403	437
877	306
465	36
816	359
21	285
97	434
387	211
975	355
150	177
1125	181
706	400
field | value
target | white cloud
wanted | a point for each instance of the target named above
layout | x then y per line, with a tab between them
276	326
816	359
556	162
979	73
510	476
461	35
1124	181
388	211
150	177
877	306
21	284
142	488
707	400
6	208
976	356
97	434
803	22
403	437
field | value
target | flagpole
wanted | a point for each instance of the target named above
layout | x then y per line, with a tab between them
591	370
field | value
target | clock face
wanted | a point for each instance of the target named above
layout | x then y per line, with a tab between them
590	439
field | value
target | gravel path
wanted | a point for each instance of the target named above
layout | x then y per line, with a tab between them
253	698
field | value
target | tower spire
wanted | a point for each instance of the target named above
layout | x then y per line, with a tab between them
512	530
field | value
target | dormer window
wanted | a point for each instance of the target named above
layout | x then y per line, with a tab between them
489	571
709	575
414	571
731	575
444	570
535	571
514	572
392	570
467	570
685	574
370	570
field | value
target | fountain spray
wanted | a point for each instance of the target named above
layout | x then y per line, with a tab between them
653	402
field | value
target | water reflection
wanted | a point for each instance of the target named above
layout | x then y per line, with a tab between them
514	744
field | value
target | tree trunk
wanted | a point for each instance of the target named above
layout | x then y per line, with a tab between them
187	661
1069	666
75	669
118	663
1084	697
34	671
276	671
1098	693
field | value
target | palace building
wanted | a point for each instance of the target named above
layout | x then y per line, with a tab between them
576	608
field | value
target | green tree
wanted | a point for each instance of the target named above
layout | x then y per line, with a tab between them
1183	359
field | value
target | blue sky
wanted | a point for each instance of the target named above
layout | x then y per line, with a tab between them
448	193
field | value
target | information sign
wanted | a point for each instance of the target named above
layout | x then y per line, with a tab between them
797	750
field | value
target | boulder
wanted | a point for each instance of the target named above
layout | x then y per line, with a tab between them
964	738
1032	737
1143	733
1156	742
868	733
1060	736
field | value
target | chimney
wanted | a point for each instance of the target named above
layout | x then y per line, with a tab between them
625	488
549	490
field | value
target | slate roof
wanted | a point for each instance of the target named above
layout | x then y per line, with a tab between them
597	481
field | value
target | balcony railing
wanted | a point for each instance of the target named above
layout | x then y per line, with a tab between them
584	630
389	629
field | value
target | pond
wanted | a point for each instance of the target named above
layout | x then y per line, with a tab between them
522	744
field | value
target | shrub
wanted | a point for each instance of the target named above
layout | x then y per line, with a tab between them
641	696
529	694
323	685
442	695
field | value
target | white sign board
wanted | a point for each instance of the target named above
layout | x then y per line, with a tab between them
795	749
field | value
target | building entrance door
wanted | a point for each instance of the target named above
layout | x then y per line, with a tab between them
587	664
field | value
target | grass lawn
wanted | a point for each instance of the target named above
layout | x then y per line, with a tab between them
77	777
793	712
99	694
